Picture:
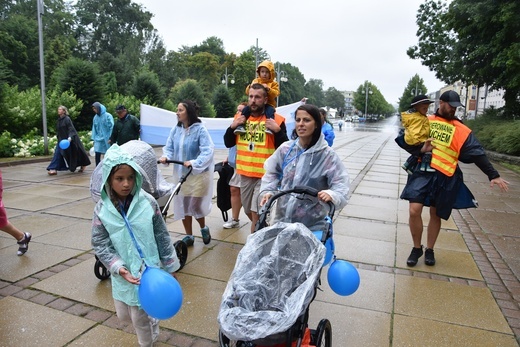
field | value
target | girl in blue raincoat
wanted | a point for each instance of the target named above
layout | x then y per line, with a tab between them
102	126
122	198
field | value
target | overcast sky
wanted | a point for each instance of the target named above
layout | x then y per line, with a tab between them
341	42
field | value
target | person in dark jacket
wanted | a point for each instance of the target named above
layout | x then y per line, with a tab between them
443	190
75	155
126	128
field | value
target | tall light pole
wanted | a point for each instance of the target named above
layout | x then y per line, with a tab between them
39	4
228	77
282	75
367	91
415	90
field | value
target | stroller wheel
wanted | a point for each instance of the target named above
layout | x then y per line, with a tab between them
322	336
224	341
100	270
182	252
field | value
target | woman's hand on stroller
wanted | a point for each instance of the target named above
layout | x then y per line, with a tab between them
163	160
324	196
187	163
123	272
265	198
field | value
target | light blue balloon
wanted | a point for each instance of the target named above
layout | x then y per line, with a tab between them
329	245
64	144
160	294
343	277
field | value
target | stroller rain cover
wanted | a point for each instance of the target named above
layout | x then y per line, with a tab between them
273	282
144	155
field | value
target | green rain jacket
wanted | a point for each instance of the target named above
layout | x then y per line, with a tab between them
111	238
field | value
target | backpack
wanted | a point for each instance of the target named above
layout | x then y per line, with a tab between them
225	172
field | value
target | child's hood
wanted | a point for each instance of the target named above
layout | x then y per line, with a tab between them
270	66
117	156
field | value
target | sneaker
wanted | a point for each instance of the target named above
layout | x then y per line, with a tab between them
206	236
240	130
188	240
267	131
429	257
24	244
231	224
414	256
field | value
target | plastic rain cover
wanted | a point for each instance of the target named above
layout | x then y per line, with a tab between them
144	155
272	283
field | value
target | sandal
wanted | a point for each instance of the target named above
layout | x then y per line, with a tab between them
24	243
52	172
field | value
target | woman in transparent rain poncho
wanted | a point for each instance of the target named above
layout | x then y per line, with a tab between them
306	160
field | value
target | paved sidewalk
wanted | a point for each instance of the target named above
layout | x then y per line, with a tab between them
50	296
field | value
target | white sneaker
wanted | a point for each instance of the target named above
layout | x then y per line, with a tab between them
231	224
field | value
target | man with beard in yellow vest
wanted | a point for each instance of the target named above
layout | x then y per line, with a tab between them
443	190
254	146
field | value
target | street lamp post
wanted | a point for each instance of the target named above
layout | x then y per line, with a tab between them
367	91
228	77
40	9
283	78
415	90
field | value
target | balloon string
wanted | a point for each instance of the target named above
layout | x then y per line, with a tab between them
131	232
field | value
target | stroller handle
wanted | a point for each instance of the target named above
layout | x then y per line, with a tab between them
298	190
183	178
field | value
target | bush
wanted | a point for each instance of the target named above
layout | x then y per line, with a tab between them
497	134
223	103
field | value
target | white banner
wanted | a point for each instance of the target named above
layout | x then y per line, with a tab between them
156	124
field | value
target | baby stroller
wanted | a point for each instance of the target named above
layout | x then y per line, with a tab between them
153	183
276	276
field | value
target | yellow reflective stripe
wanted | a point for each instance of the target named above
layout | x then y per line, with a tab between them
445	149
437	164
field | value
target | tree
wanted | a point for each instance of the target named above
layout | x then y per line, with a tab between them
204	68
147	86
223	102
84	80
293	90
414	87
377	105
191	90
475	41
334	98
314	92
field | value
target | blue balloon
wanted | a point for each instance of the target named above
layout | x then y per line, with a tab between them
160	294
343	277
329	245
64	144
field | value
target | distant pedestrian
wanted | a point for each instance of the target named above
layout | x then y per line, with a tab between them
340	124
21	237
102	126
126	128
73	156
326	128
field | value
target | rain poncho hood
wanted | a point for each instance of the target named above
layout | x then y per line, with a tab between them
273	89
272	284
102	126
111	238
318	167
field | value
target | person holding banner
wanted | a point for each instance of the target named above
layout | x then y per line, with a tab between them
191	143
254	147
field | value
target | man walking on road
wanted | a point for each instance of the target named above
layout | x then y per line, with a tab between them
443	190
254	147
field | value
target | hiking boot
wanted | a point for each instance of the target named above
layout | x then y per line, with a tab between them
239	130
23	244
206	236
414	256
429	257
231	224
188	240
